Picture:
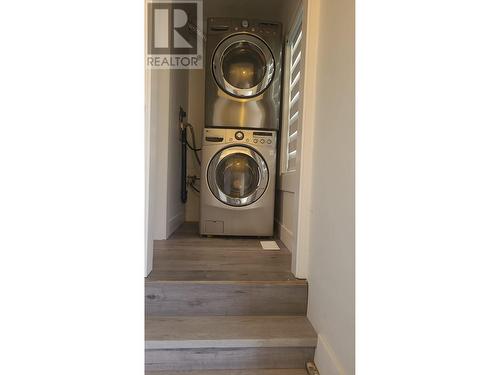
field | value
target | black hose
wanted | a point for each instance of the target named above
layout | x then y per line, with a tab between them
185	145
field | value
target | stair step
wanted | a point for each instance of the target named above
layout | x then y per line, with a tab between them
298	371
228	358
172	298
190	257
228	342
164	332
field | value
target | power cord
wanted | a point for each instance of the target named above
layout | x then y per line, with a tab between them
193	147
192	181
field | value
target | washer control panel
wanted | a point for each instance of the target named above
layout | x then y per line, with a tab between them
243	136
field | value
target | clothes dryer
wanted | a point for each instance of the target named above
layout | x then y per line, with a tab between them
243	73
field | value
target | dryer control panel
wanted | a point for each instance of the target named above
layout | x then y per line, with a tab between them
259	27
242	136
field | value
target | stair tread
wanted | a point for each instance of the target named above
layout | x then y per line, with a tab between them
233	372
183	332
216	259
187	254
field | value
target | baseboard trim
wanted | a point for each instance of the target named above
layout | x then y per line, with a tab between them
285	235
174	223
325	359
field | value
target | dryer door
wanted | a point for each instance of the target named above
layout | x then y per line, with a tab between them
238	176
243	65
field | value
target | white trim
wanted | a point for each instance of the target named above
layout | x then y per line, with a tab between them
148	214
286	235
325	359
310	24
175	222
288	182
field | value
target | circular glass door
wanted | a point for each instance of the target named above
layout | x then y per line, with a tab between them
243	65
237	176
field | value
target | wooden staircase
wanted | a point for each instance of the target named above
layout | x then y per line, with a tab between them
224	306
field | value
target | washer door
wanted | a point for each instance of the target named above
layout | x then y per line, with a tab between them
238	176
243	65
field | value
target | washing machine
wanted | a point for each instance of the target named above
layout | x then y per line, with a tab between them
243	73
238	182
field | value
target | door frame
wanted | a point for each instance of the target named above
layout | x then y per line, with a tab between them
302	178
148	214
300	255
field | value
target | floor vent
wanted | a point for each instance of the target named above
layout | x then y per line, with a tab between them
311	368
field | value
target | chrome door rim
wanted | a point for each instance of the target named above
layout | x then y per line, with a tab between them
219	75
261	185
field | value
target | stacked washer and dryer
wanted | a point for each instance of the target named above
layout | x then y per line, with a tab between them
242	116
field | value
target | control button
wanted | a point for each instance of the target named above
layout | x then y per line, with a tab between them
262	141
247	140
230	139
244	23
269	141
255	140
239	135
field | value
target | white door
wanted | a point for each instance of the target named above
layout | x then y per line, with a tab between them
296	137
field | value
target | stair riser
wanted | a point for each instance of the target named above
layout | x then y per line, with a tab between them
228	358
225	299
299	371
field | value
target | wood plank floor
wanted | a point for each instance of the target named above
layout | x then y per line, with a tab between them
190	257
224	306
181	332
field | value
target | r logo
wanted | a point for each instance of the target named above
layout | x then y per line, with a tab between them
170	28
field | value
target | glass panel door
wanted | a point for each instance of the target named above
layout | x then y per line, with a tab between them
243	65
237	175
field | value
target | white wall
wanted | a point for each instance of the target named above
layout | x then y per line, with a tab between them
168	90
178	97
331	248
150	168
196	117
159	117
